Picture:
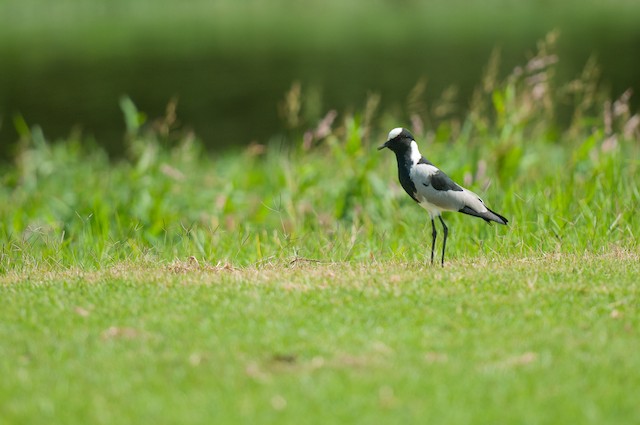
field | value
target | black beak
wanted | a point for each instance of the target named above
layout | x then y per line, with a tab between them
382	146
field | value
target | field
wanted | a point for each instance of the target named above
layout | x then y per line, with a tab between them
543	340
288	281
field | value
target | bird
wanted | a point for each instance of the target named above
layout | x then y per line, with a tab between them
431	188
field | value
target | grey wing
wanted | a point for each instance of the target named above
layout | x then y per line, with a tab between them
435	187
440	181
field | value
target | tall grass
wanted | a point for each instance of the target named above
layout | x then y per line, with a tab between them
321	191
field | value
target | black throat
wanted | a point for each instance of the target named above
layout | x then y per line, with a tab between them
404	166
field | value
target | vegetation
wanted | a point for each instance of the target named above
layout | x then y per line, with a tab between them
287	281
327	194
538	340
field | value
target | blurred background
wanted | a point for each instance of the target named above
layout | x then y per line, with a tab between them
65	64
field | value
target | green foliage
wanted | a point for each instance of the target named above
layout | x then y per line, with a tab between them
325	193
286	283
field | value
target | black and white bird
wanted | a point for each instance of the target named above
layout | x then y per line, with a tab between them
432	189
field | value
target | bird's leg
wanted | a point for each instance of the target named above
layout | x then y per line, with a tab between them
433	240
446	232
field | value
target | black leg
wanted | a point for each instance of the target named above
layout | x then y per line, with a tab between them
446	232
433	241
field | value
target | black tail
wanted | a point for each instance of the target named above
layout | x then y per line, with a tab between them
487	216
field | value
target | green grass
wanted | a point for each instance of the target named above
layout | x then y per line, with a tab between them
287	282
549	339
328	194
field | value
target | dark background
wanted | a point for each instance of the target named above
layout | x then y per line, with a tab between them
64	65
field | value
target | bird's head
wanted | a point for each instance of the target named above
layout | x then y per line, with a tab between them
399	140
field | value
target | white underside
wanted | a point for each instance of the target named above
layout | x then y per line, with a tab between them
437	201
433	210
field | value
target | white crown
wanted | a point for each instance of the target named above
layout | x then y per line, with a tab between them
394	133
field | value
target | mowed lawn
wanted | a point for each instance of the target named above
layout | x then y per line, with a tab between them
288	282
550	339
